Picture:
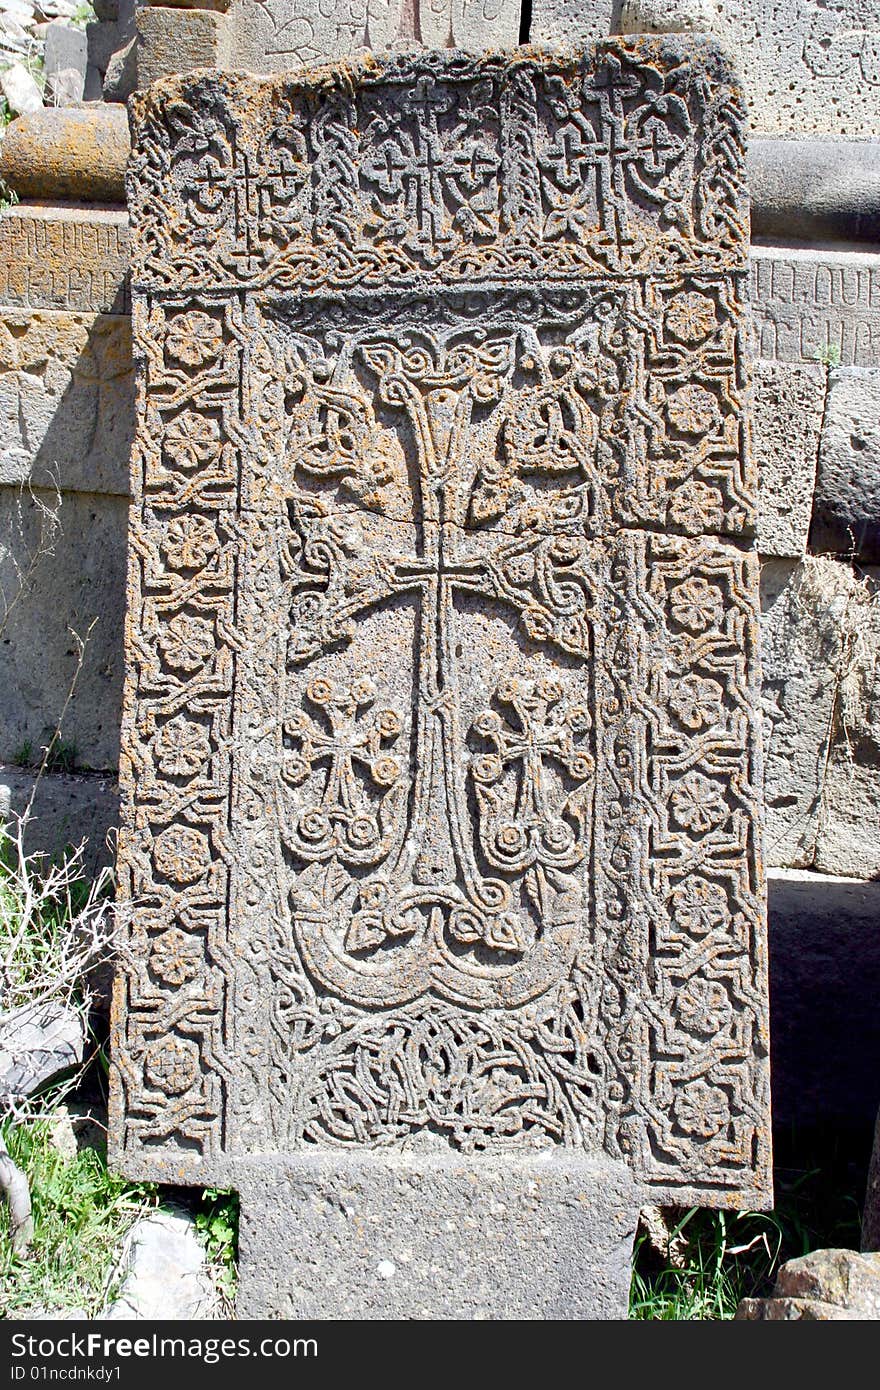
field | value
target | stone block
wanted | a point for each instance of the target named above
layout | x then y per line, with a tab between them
70	258
404	1236
179	40
112	57
816	304
280	34
848	840
824	965
813	189
846	515
65	810
65	47
62	571
820	634
38	1041
824	1286
801	651
440	754
66	400
66	87
68	154
788	400
810	69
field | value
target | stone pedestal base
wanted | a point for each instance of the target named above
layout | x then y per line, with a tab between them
384	1236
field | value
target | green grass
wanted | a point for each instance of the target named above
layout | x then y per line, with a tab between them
81	1215
217	1223
727	1256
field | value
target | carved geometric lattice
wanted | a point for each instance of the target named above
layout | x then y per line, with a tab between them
441	729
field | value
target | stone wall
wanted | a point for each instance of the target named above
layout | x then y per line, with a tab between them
66	412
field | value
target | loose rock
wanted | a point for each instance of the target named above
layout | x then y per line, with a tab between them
824	1286
163	1270
22	94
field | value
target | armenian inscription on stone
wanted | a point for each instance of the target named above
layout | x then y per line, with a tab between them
441	737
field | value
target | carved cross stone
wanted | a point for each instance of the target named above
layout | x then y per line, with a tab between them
442	727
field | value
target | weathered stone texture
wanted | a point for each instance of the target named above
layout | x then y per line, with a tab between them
161	1272
329	1236
848	841
788	403
846	513
67	258
816	305
178	40
801	651
441	734
62	562
820	642
824	189
807	69
66	400
280	34
824	1286
77	154
65	809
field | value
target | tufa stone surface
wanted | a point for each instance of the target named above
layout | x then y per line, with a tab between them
67	154
179	40
848	841
66	808
280	34
65	47
846	513
811	189
434	1237
802	647
668	16
788	403
66	400
62	566
38	1042
71	258
440	755
811	69
824	1286
21	92
815	305
820	635
66	87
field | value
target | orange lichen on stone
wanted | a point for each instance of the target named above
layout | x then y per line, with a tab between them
76	155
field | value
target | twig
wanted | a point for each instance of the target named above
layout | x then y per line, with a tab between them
14	1188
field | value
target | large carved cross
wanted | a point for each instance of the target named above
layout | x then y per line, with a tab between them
429	896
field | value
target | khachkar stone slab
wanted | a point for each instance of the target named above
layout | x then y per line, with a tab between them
811	68
441	735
